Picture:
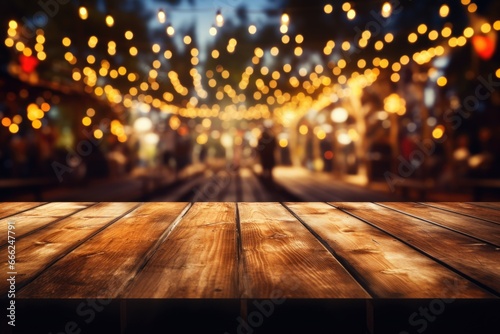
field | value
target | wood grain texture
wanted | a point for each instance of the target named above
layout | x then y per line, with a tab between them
37	251
103	265
40	216
11	208
477	260
197	260
477	228
489	205
389	268
467	209
280	256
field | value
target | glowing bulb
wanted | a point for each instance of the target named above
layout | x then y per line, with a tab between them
83	12
386	10
285	19
213	31
161	16
219	19
170	30
110	21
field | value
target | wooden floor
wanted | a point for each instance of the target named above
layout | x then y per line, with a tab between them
254	250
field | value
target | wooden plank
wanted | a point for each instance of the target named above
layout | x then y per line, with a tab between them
484	213
478	261
390	269
11	208
31	220
280	254
197	260
480	229
103	265
489	205
39	250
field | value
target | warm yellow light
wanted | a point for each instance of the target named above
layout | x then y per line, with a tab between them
76	76
13	24
497	73
162	17
110	21
27	52
386	9
299	39
438	132
412	38
83	13
219	19
422	29
446	32
389	37
468	32
395	77
485	28
156	48
133	51
66	41
187	40
20	46
14	128
215	54
433	35
394	103
346	6
298	51
98	134
129	35
472	8
441	81
86	121
283	142
167	54
41	56
40	39
9	42
202	139
285	19
303	129
379	45
212	31
170	30
285	39
496	25
93	41
351	14
252	29
444	11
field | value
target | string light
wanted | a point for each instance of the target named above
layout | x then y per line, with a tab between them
285	19
386	10
212	31
170	30
83	13
219	19
162	17
110	21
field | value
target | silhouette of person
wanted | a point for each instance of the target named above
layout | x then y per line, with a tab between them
266	149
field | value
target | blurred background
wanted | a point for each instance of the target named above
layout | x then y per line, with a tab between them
264	100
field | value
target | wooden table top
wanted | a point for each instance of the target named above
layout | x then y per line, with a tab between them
254	250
